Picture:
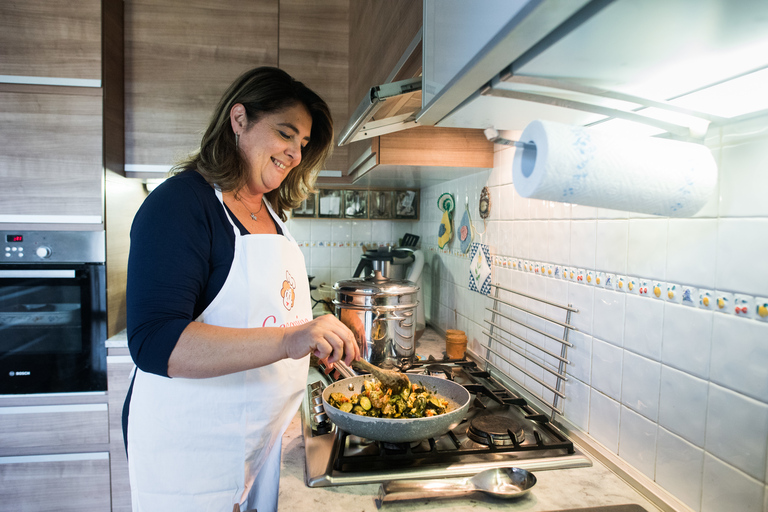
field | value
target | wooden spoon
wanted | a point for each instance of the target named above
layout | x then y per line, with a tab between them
389	379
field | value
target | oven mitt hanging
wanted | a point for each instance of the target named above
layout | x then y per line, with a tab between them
480	269
446	203
465	231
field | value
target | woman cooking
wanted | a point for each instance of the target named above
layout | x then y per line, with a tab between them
219	314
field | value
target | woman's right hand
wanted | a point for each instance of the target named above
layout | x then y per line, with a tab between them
326	337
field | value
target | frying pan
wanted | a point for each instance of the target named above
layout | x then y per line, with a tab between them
399	430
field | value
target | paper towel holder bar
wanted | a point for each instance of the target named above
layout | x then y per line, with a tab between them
492	134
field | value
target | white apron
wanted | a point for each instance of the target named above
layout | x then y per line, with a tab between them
205	444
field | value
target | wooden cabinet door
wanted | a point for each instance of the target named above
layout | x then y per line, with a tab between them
180	56
314	49
72	482
51	160
50	38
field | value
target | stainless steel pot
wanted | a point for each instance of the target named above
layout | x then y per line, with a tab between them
382	314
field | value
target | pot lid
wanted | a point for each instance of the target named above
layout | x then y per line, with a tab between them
375	285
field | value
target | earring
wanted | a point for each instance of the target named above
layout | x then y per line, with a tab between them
237	140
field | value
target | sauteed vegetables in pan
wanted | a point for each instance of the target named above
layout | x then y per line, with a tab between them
413	402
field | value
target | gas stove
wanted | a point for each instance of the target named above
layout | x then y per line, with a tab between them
500	429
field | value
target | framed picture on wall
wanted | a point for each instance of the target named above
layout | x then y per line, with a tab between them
330	203
380	204
356	204
307	208
407	204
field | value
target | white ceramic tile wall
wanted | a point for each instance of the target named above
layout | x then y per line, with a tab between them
332	247
678	391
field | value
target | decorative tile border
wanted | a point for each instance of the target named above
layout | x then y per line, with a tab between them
731	303
331	244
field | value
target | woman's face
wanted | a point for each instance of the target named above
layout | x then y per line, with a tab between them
272	145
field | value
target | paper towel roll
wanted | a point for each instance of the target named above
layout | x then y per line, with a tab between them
577	165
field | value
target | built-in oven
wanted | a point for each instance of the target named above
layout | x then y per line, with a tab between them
52	312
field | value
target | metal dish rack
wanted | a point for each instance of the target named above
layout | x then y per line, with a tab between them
552	360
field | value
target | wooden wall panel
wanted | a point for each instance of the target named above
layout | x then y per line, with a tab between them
180	55
314	48
50	38
51	160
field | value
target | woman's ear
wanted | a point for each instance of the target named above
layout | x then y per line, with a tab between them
238	118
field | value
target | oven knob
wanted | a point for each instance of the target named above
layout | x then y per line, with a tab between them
43	251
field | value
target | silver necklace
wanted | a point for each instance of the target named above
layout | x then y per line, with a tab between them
253	215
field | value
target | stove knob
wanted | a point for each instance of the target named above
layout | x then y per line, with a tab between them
43	251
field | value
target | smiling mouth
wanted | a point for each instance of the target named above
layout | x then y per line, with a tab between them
279	164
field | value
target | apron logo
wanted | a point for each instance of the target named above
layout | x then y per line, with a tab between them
288	292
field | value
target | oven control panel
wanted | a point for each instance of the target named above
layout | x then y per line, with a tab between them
52	246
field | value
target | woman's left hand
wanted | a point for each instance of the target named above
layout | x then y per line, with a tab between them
326	337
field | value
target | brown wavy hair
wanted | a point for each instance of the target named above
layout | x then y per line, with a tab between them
263	90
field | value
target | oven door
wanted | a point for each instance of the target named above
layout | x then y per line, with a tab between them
52	328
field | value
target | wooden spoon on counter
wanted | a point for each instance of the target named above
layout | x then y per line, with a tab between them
389	379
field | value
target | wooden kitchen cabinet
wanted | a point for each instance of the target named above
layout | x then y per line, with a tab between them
54	452
314	48
52	39
180	56
51	159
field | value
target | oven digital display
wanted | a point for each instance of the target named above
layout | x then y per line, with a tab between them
14	238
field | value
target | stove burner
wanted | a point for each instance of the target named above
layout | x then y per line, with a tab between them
439	370
493	429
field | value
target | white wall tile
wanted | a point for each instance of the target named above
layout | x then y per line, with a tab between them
576	407
692	251
341	230
637	441
679	467
608	321
737	430
604	420
301	229
381	231
611	248
687	339
521	207
361	230
606	359
683	405
740	356
539	239
640	384
742	245
643	326
583	242
582	298
521	239
583	212
726	488
321	257
743	180
560	241
580	356
321	230
647	248
506	203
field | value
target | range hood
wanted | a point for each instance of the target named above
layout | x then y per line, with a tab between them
653	67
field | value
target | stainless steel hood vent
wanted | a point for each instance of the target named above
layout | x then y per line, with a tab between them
666	67
363	124
392	106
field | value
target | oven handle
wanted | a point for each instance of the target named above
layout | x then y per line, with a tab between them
38	273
